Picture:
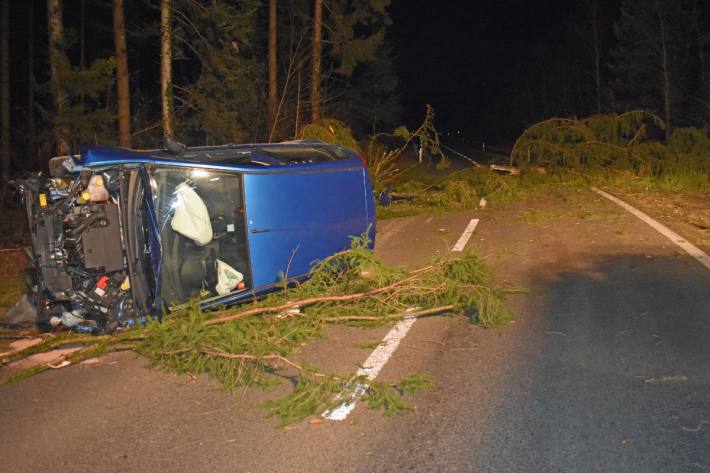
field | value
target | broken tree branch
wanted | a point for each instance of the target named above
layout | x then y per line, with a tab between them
250	357
53	343
401	315
306	302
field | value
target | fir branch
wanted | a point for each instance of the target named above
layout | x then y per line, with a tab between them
306	302
401	315
239	348
250	357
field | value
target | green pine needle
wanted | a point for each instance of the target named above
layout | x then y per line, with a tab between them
247	349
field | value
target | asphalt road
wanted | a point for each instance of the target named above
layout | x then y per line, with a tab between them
618	381
606	368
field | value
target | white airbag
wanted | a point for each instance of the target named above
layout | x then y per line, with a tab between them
191	218
227	278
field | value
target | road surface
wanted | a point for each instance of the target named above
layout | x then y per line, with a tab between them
606	368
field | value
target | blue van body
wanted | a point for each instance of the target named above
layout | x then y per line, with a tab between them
286	206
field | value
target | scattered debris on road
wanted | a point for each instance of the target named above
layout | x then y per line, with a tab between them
22	315
666	380
245	346
499	168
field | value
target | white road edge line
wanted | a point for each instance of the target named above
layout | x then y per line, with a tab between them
372	366
381	355
463	239
688	247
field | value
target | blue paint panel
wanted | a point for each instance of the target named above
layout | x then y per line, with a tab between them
297	213
198	157
297	218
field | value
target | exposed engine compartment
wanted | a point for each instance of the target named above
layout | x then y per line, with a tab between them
80	278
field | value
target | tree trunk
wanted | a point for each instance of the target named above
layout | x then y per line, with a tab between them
56	38
124	107
82	44
665	68
298	103
82	36
597	60
166	67
4	91
701	50
31	135
316	60
273	99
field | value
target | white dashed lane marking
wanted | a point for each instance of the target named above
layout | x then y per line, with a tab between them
373	365
381	355
466	235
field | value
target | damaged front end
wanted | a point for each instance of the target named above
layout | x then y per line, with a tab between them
88	272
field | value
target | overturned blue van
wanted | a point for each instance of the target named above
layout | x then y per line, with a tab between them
120	234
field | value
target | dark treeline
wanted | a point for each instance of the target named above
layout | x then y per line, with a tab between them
129	72
496	67
221	71
645	54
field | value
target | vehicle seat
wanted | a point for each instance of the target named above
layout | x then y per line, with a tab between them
192	274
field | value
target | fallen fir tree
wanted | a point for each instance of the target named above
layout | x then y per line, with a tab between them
627	150
250	345
627	146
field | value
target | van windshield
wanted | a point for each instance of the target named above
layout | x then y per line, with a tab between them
200	215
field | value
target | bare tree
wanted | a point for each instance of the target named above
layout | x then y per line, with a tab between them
166	67
82	36
82	43
56	39
298	104
122	91
273	99
649	57
31	83
4	91
703	40
317	47
665	67
597	60
699	12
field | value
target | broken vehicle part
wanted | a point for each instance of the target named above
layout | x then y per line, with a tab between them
120	235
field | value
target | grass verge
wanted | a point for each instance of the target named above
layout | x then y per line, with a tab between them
463	189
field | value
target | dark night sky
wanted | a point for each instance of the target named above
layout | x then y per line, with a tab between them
465	57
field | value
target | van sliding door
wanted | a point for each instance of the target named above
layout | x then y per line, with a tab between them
295	217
